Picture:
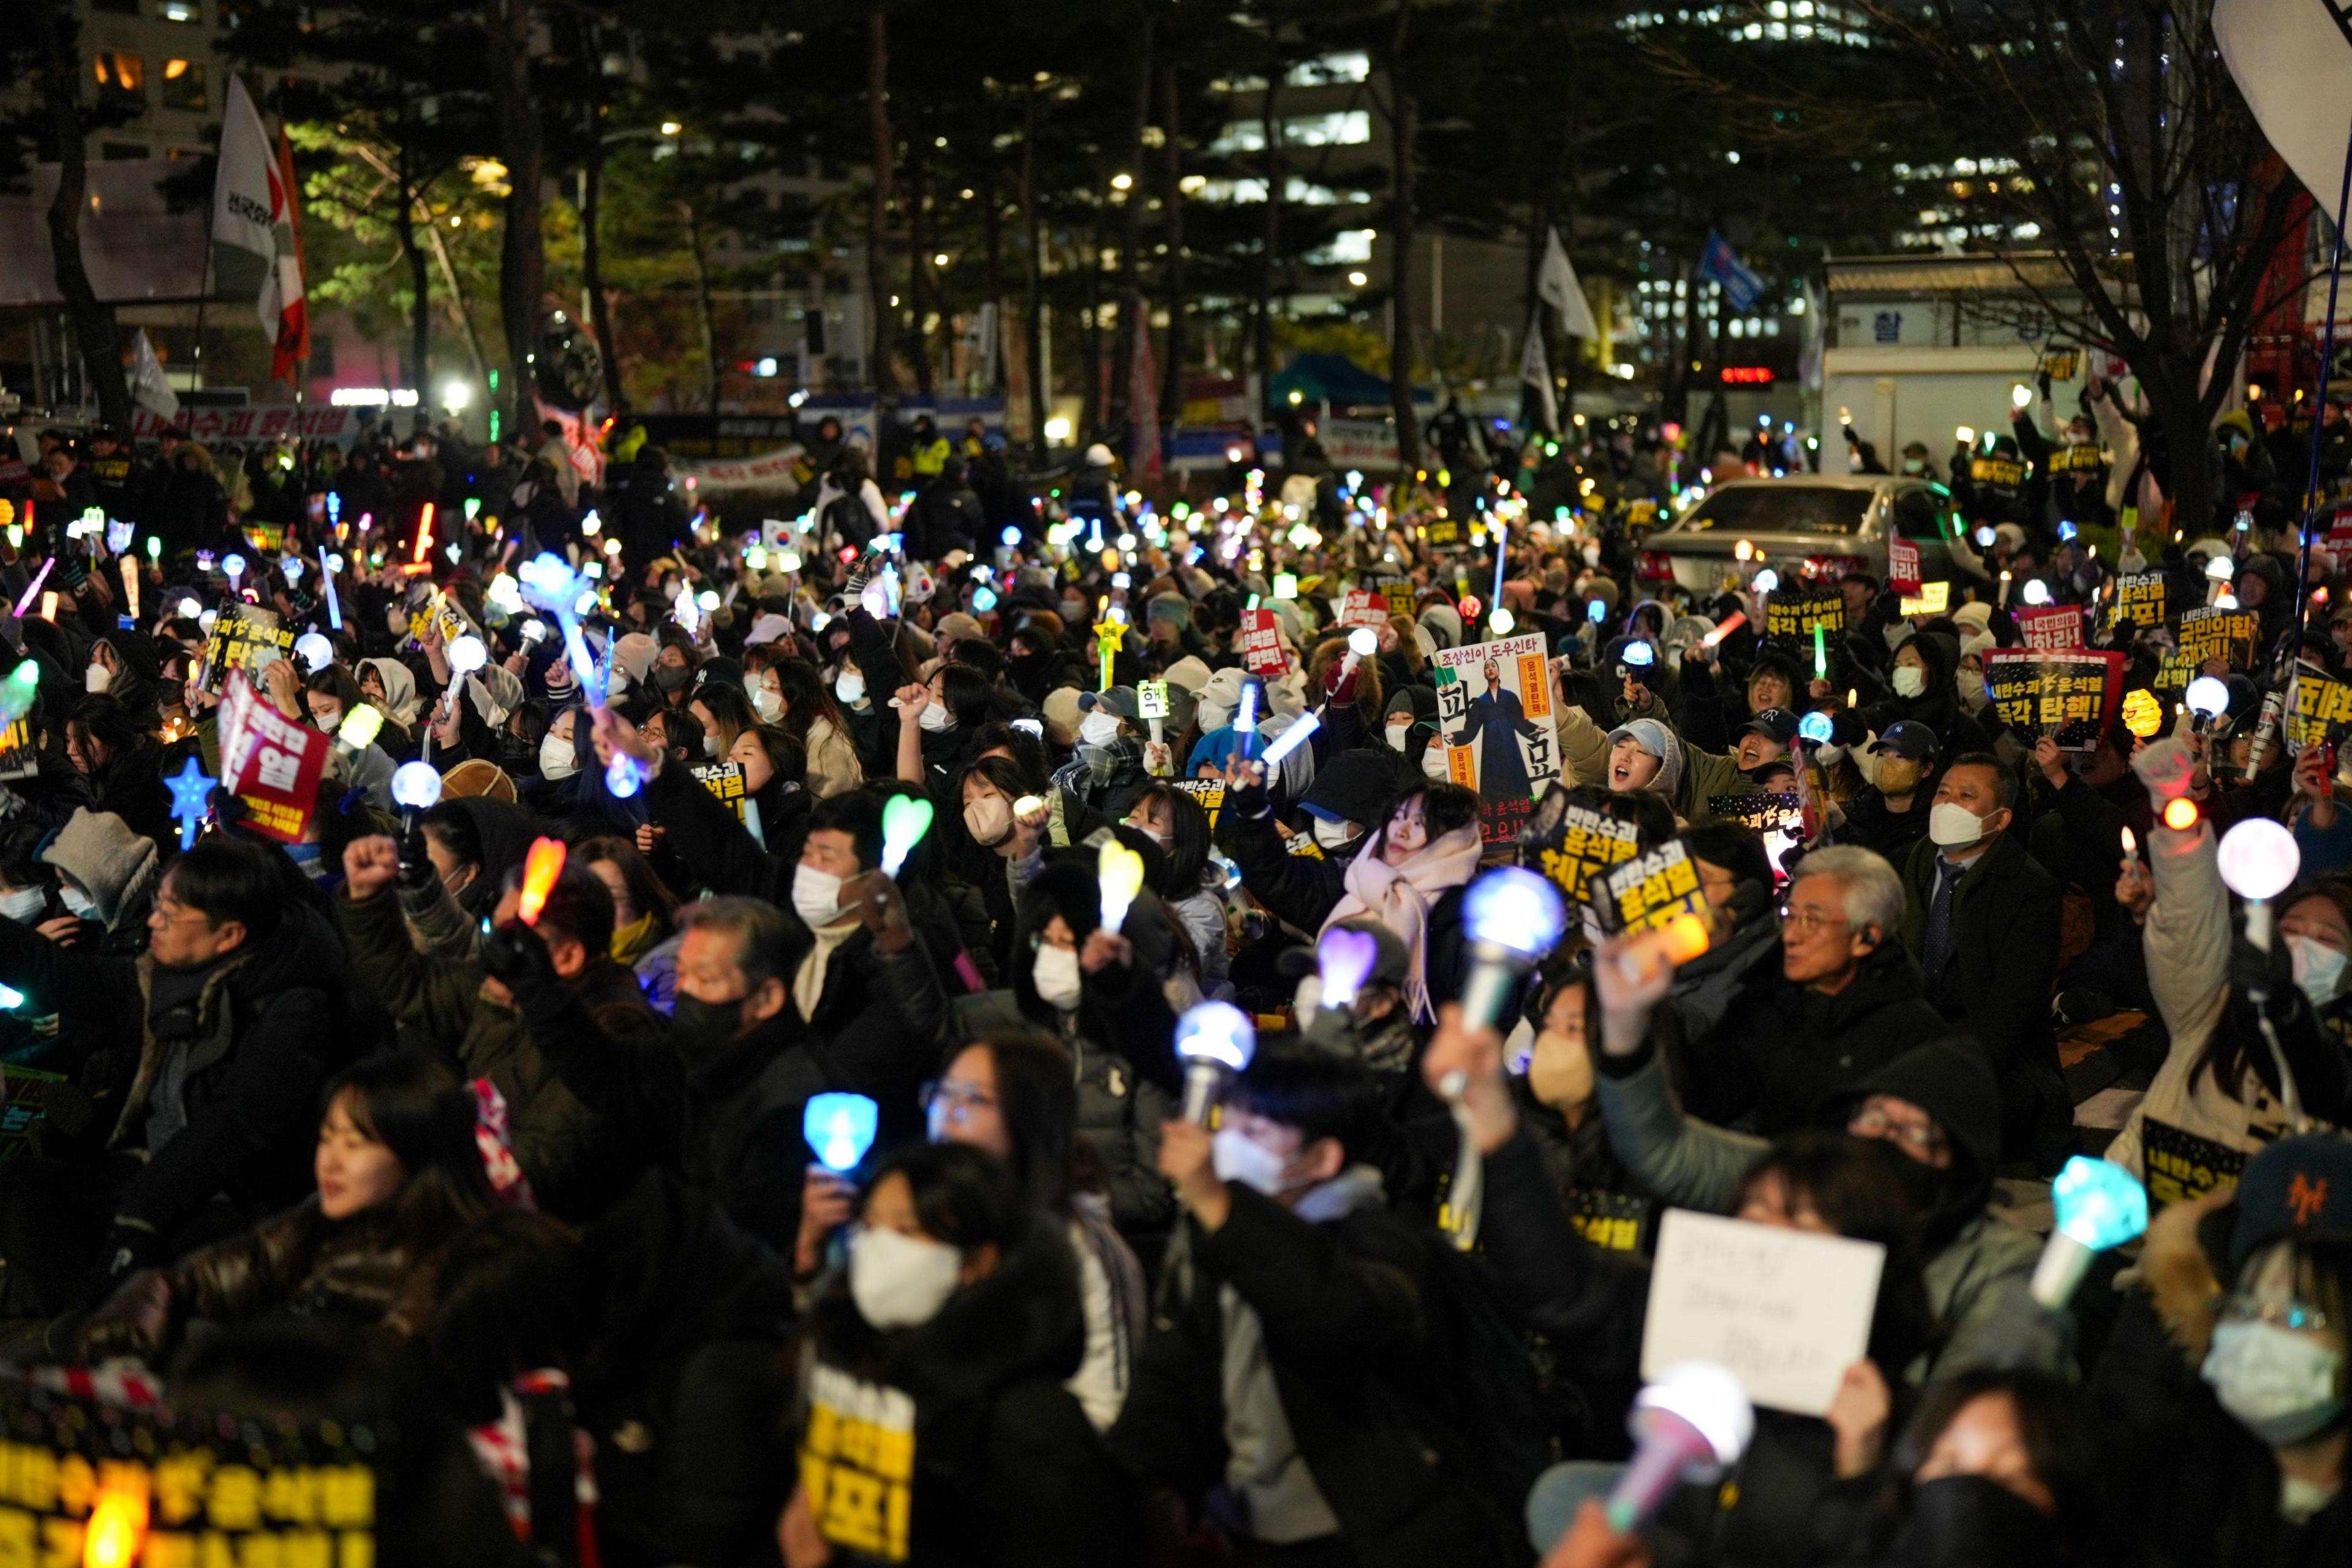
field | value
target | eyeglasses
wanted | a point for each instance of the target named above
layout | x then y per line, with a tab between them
1921	1137
1809	922
2244	1307
956	1101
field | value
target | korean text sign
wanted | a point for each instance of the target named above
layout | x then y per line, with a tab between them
2068	696
1494	710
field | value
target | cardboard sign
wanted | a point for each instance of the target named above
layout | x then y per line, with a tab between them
1787	1311
1151	699
18	758
244	637
1399	591
2209	632
1933	599
2051	629
1573	844
2139	599
1902	565
1791	612
1649	890
270	762
724	779
2177	1166
1493	709
1778	819
2069	697
1210	792
2321	705
1360	608
1262	644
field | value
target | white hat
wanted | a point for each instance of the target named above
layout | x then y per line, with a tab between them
1100	457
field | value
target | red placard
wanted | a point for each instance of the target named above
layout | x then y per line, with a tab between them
2052	629
270	762
1903	565
1360	608
1262	644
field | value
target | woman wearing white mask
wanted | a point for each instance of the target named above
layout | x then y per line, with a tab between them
1926	691
1192	888
931	1386
2218	1082
2229	1376
390	686
1094	991
786	690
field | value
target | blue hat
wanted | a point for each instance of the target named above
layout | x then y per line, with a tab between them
2298	1187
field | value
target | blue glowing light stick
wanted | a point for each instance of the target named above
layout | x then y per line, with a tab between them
326	575
2099	1206
192	795
1515	917
1290	740
1216	1041
1246	722
839	1129
1815	727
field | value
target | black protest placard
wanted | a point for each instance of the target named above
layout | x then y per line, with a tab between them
2322	708
724	781
1778	819
18	757
2208	632
2069	695
1650	890
1573	844
2178	1166
244	637
1210	792
1793	610
2139	599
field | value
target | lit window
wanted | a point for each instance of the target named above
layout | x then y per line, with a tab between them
1348	128
180	11
1355	66
183	85
122	75
1240	136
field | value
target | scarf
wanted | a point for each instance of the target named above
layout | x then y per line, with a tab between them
400	701
1399	898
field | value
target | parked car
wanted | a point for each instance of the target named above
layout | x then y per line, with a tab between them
1816	526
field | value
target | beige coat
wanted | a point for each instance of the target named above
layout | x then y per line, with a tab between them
832	766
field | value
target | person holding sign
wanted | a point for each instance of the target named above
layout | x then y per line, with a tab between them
1410	878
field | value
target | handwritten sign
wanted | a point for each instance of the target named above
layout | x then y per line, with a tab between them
2177	1165
2051	627
1151	699
1650	890
1785	1310
1903	565
2069	697
1494	710
1262	644
2139	599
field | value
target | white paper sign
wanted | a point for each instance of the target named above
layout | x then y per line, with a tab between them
1787	1311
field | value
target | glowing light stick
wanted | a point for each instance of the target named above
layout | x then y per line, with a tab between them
1109	635
192	795
2258	859
34	590
10	998
1515	917
2099	1206
840	1128
1594	611
1216	1041
1501	622
1290	740
1985	536
1345	958
541	868
233	568
130	585
2143	714
116	1528
624	776
327	577
2206	698
1731	623
2180	813
360	728
50	606
1119	877
16	692
424	534
1246	722
905	820
2037	592
1821	652
1689	1425
2020	395
154	548
1815	727
314	650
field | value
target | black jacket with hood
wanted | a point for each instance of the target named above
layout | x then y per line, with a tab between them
1299	891
1938	706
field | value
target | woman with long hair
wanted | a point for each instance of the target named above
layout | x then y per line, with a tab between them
1193	892
788	684
1410	878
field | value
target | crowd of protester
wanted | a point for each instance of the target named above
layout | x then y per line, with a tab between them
372	1112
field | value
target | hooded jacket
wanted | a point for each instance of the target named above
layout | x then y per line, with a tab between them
1938	706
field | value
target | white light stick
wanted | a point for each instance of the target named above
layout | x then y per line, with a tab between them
2258	860
334	604
130	584
1290	741
1246	722
1691	1423
1216	1041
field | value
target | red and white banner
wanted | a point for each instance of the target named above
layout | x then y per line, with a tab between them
2053	628
770	472
281	297
270	762
1262	644
1902	565
291	422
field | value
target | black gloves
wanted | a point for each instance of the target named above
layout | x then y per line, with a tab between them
517	957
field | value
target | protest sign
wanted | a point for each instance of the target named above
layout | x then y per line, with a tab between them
1778	819
2322	705
18	758
1614	1222
243	638
173	1485
2051	627
2068	696
2139	599
1262	644
270	762
1792	611
1572	844
1499	740
1399	593
1785	1310
1903	565
1650	890
724	780
858	1463
1151	699
1360	608
1443	530
2178	1166
1933	599
23	1115
2209	632
1210	792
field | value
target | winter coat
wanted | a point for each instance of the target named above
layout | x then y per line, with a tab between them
832	766
1997	981
1298	890
577	1159
955	1442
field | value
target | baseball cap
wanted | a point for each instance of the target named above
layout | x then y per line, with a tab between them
1910	740
2298	1187
1774	725
1120	700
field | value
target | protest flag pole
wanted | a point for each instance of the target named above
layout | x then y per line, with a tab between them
2319	405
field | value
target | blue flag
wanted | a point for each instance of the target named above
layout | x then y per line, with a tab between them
1720	262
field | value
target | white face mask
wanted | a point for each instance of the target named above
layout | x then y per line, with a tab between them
816	895
1399	735
1098	729
23	903
1215	718
76	902
849	687
901	1281
1433	762
989	819
1973	686
935	717
2318	969
556	761
1953	825
1910	681
767	704
709	745
2283	1386
1055	973
97	678
1236	1159
1331	835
